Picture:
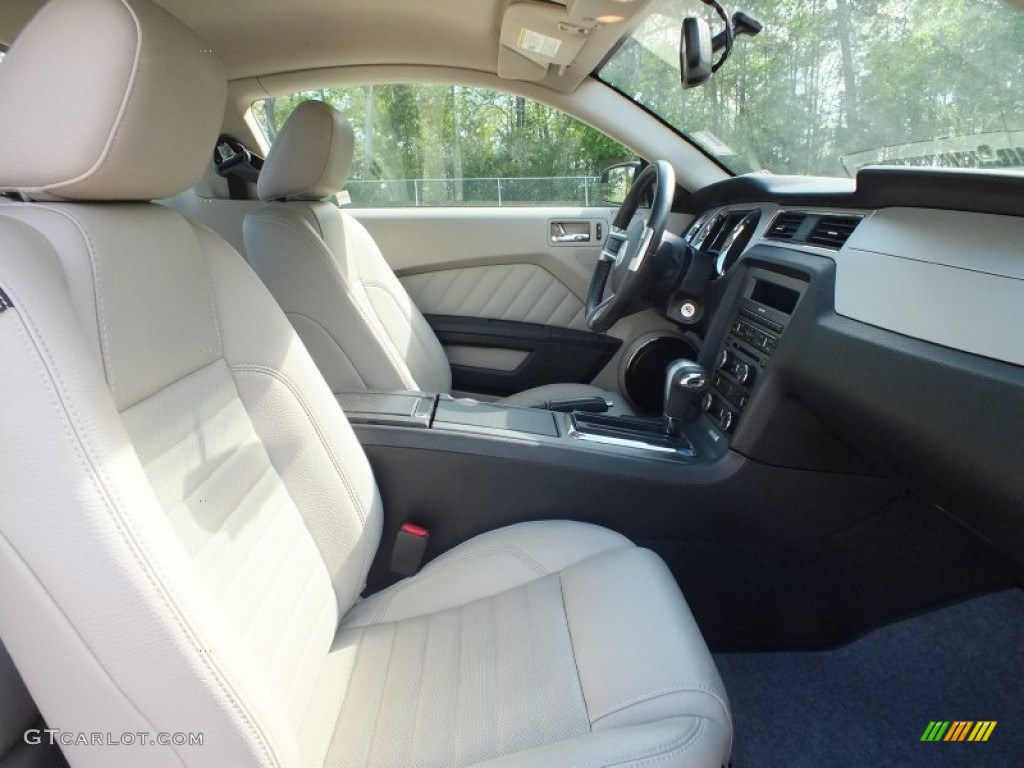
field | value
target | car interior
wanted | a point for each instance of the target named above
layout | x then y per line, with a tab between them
309	461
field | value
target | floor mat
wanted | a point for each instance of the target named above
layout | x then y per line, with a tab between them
869	703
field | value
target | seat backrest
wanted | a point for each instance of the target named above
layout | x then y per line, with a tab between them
185	513
326	271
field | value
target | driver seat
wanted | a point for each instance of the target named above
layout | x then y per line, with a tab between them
332	281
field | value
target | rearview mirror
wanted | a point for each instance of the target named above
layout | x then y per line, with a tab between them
695	52
616	181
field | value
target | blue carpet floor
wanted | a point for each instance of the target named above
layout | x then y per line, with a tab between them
868	703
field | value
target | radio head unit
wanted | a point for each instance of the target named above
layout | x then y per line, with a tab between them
757	323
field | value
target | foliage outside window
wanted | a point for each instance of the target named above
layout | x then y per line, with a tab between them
436	145
832	85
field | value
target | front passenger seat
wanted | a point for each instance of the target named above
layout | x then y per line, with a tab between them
187	519
327	273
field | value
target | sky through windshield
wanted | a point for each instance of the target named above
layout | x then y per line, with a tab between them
832	85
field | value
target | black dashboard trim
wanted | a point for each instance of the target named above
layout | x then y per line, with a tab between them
947	421
880	187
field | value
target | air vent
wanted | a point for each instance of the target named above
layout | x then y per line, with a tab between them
833	231
785	226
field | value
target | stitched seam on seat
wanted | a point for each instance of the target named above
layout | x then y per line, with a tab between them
119	121
321	249
209	285
360	645
572	648
661	753
82	447
81	640
383	692
413	326
378	615
290	691
327	155
97	285
417	335
314	422
683	688
334	341
342	474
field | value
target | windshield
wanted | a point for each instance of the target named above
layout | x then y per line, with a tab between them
830	86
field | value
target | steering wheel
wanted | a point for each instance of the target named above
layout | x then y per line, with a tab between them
625	264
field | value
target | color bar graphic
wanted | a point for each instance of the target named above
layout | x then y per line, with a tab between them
982	730
935	730
958	730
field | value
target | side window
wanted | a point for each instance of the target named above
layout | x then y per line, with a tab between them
445	145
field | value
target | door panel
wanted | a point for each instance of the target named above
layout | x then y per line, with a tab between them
503	289
518	292
418	241
505	264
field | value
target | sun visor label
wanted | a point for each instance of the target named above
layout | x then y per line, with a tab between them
535	42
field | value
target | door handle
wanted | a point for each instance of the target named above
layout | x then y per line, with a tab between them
570	232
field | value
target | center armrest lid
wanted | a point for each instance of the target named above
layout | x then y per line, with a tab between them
405	409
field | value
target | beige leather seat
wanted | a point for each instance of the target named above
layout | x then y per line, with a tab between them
327	273
187	519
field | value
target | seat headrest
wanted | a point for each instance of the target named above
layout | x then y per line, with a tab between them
311	157
107	100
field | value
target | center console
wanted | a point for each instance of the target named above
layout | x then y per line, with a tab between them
458	468
441	415
757	323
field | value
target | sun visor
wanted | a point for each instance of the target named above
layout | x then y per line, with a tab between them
535	36
542	40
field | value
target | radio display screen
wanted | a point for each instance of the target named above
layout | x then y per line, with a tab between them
775	296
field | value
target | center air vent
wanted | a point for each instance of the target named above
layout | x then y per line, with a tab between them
833	231
813	229
785	225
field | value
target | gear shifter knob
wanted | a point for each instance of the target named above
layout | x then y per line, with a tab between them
685	382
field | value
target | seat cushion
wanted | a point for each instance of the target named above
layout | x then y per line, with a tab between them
539	395
546	643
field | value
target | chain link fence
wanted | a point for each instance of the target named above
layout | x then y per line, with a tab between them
540	191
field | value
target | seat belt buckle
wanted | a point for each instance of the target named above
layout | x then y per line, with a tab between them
410	547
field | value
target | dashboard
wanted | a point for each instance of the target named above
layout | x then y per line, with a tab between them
883	319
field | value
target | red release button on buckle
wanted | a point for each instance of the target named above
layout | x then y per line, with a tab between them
415	530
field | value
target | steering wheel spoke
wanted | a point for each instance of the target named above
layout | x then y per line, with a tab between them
614	243
603	309
637	262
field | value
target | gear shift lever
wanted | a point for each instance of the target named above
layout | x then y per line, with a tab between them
685	380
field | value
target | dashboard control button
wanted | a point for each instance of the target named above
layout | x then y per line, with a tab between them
707	402
726	420
742	372
725	357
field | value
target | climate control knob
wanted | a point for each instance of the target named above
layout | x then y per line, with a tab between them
743	372
726	420
725	357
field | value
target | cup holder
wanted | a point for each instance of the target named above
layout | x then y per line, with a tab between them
645	364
